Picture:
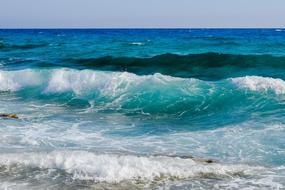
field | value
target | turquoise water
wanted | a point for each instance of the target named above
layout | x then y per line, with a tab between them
142	109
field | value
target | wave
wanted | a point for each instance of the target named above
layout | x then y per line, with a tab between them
205	66
80	81
209	66
150	95
111	168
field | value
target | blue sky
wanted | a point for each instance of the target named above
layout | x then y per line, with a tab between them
141	13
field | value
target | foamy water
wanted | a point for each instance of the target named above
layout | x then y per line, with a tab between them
142	109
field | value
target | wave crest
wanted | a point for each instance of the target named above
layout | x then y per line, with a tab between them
17	80
261	84
148	94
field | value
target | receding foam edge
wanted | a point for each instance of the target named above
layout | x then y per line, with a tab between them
112	168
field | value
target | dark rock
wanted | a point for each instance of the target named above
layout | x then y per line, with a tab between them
11	116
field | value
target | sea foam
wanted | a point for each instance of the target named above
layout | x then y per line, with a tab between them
117	168
16	80
261	84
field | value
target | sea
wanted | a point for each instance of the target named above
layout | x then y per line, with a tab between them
142	109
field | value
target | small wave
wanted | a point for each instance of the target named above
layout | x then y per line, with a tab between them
9	47
117	168
261	84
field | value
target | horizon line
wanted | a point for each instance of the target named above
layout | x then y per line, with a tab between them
139	28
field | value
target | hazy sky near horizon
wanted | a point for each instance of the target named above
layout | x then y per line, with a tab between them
141	13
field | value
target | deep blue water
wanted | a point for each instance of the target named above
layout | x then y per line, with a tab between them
136	108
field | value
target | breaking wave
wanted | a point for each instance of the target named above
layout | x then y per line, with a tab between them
114	83
146	94
261	84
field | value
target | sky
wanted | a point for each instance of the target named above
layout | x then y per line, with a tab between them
142	13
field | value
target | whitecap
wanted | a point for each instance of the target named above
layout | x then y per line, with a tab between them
137	43
261	84
16	80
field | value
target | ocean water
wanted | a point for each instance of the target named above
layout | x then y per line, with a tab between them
142	109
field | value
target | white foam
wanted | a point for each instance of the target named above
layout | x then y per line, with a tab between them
114	168
109	84
64	80
9	186
16	80
262	84
77	81
137	43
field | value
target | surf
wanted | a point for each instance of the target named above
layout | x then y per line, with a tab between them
137	109
151	96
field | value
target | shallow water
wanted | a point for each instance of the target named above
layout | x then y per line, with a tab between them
142	109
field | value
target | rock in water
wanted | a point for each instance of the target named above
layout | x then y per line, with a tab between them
12	116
